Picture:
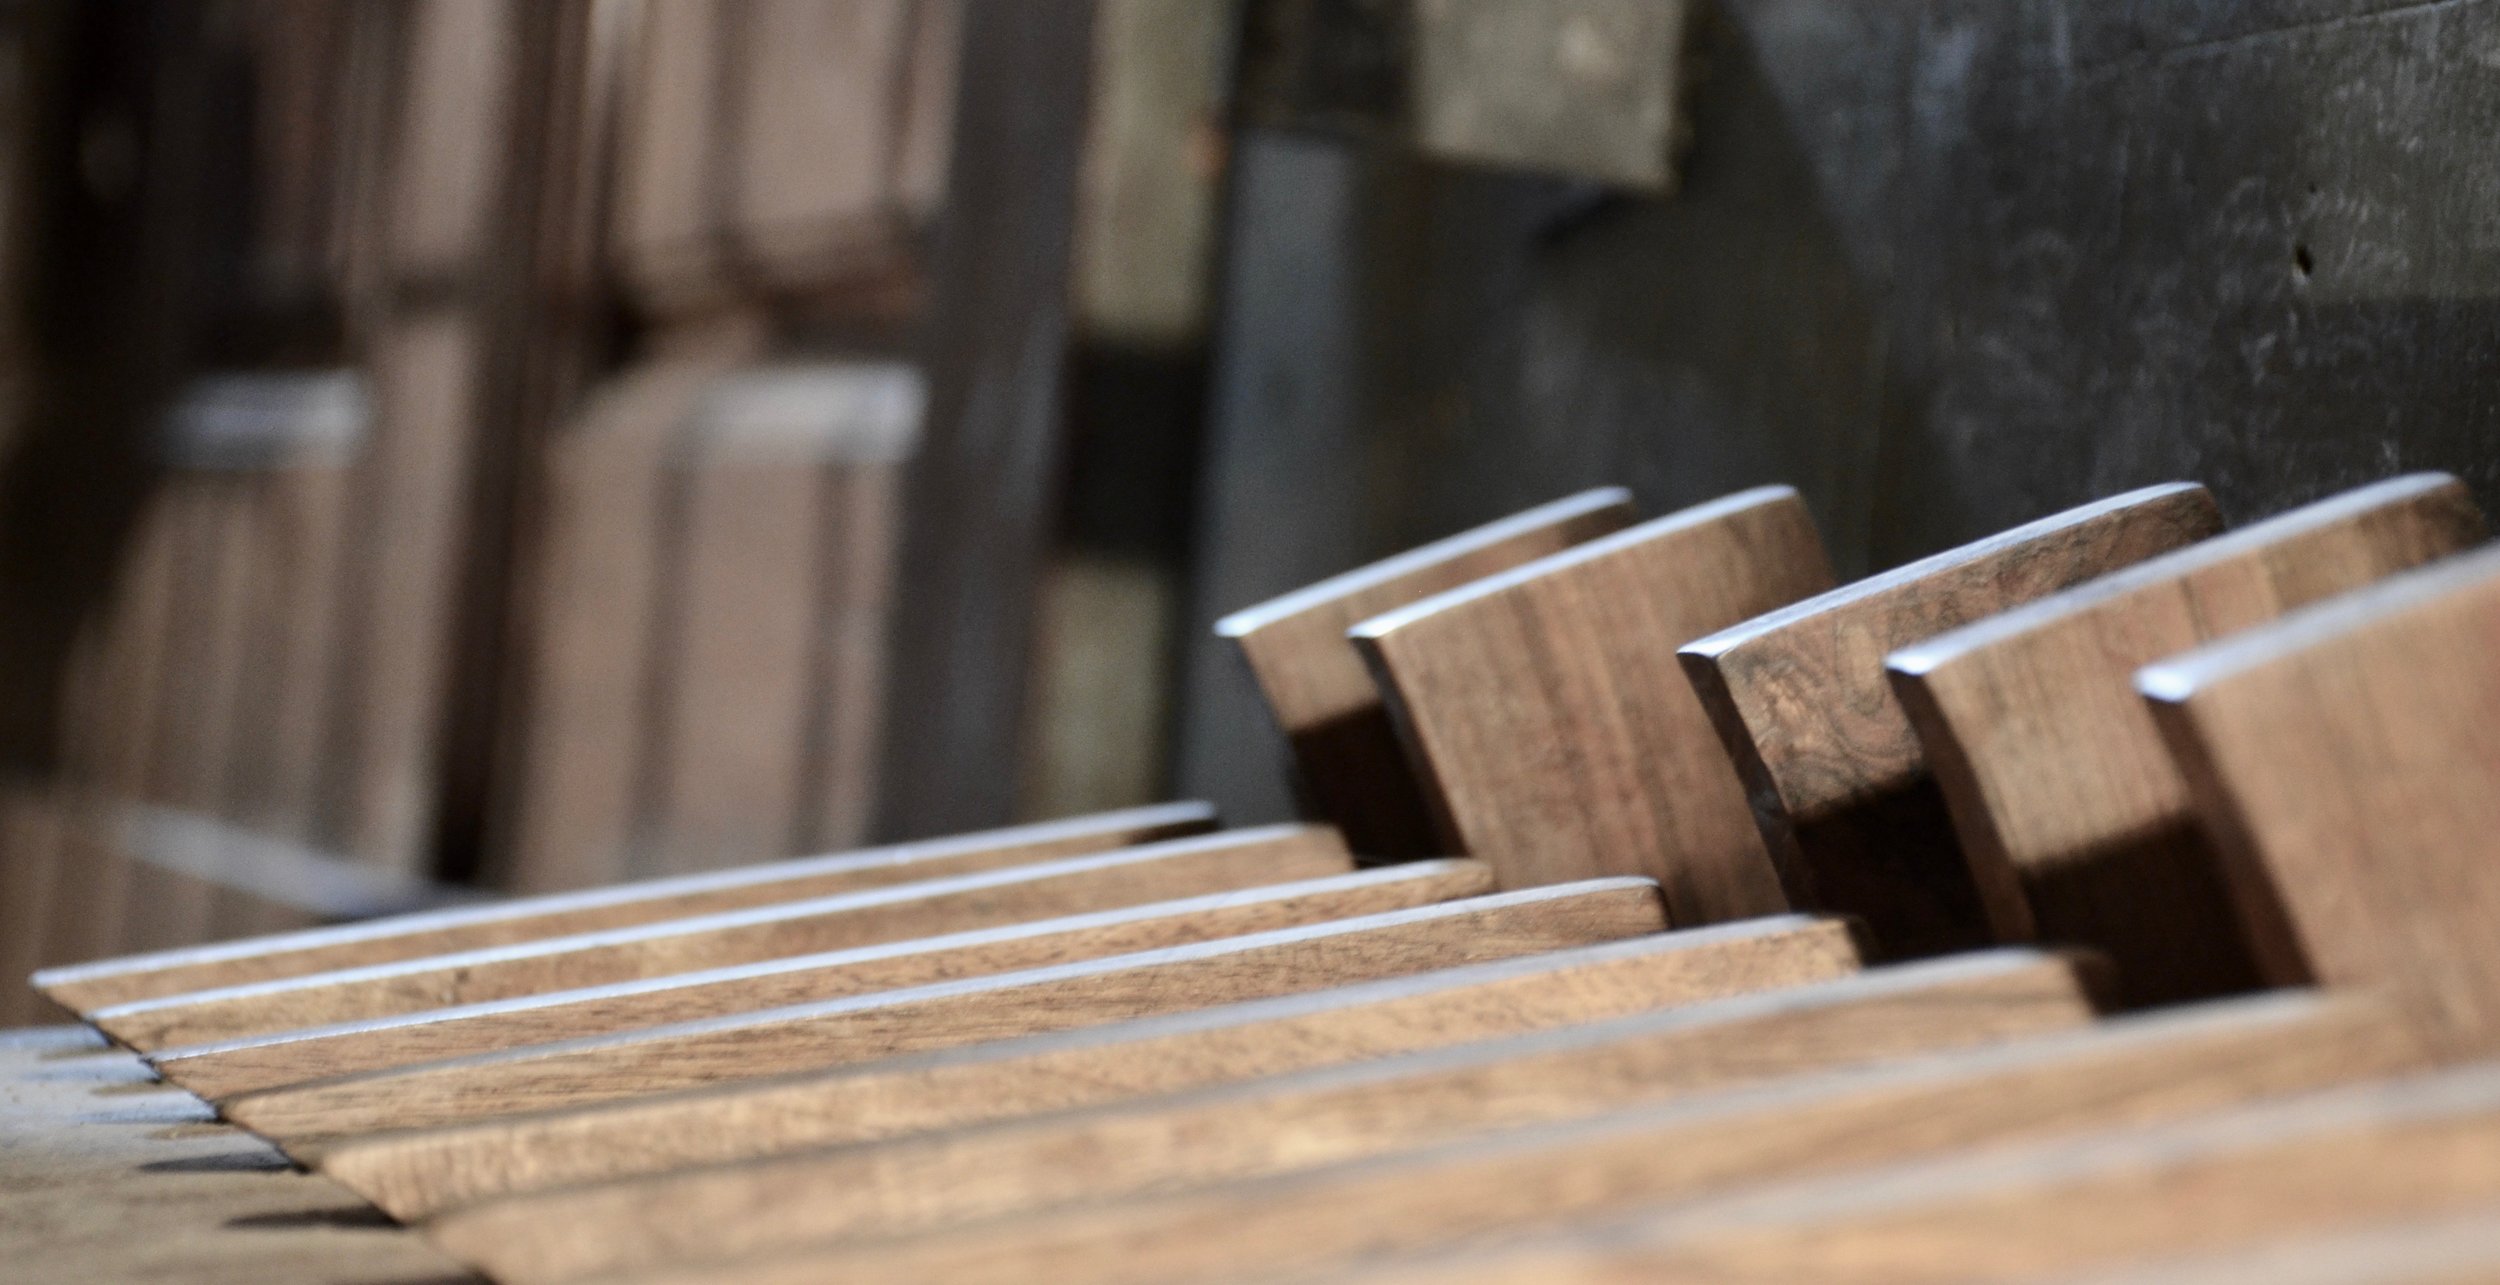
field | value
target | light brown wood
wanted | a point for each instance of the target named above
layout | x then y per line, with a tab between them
897	912
890	1023
82	987
2344	759
2141	1068
108	1177
421	1171
2456	1250
1348	755
1839	786
2076	823
1547	721
1266	1126
2420	1147
290	1057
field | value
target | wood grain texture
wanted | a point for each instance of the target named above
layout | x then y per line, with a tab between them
2343	758
2076	823
421	1171
2141	1068
2455	1250
890	1023
1350	763
107	1177
1835	773
83	987
897	912
1265	1126
290	1057
1547	722
2426	1146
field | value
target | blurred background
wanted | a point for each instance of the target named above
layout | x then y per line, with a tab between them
454	446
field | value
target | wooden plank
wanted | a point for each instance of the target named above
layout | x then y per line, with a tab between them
2427	1146
419	1172
1267	1126
325	1051
1549	728
187	754
2141	1068
2453	1250
1330	710
428	367
586	715
765	602
948	1015
862	513
1839	786
115	981
983	498
898	912
34	848
2343	759
2076	822
108	1178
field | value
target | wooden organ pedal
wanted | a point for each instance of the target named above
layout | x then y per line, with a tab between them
2111	896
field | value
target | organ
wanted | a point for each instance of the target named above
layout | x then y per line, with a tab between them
2110	894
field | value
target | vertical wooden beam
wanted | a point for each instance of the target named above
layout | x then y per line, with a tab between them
981	493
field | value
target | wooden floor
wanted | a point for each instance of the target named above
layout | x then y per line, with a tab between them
107	1174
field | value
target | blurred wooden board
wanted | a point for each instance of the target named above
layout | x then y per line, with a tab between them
106	1175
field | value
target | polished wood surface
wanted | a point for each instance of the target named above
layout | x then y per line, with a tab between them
2165	1066
417	1172
950	1014
317	1052
2410	1149
1269	1126
2076	822
82	987
2345	758
1316	688
1836	774
897	912
1543	710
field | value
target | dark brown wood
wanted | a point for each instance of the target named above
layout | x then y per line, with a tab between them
1836	776
2076	822
1547	721
1345	750
2343	759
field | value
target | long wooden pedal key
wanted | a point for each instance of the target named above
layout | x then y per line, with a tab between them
83	988
420	1171
320	1052
1271	1125
889	1023
897	912
2414	1148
